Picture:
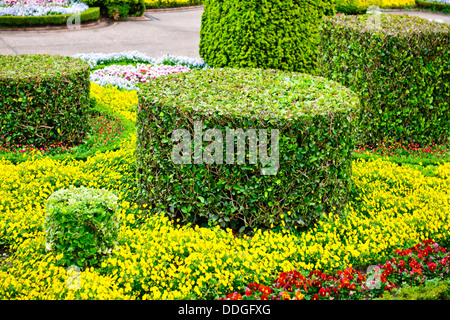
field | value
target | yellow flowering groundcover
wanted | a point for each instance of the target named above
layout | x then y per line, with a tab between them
392	207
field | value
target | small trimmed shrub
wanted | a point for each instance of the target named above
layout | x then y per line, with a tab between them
82	224
212	185
91	14
119	8
399	67
44	99
271	35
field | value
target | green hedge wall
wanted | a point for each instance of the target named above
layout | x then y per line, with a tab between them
91	14
45	99
399	67
269	34
316	137
433	5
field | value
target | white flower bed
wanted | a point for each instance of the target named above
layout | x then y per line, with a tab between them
140	67
96	59
439	1
40	7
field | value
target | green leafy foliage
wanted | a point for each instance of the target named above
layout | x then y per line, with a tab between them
433	289
92	14
399	66
82	224
271	34
119	8
45	99
317	135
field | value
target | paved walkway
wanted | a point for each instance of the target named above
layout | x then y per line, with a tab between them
173	32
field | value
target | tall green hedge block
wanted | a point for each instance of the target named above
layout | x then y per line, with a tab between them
44	99
270	34
399	65
208	143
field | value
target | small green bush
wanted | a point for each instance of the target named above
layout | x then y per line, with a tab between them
317	134
353	6
399	66
82	224
432	290
119	8
273	34
92	14
44	99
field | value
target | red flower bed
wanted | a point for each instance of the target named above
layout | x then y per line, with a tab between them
413	266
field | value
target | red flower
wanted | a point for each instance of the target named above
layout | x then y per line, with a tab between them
324	292
432	266
415	270
234	296
315	297
265	290
264	297
317	283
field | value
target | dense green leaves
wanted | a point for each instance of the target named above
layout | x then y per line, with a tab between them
317	131
119	8
44	99
269	34
399	67
82	224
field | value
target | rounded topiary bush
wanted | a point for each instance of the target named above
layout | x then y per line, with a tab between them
82	224
399	65
269	34
245	147
119	8
44	99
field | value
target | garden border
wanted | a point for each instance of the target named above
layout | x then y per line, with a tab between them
9	23
417	9
175	9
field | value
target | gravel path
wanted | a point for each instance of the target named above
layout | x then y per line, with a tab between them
174	32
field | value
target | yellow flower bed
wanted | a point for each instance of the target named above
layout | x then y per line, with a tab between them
359	6
170	3
393	207
121	101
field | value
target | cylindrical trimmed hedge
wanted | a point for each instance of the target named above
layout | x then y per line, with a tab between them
91	14
208	183
399	65
269	34
44	99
